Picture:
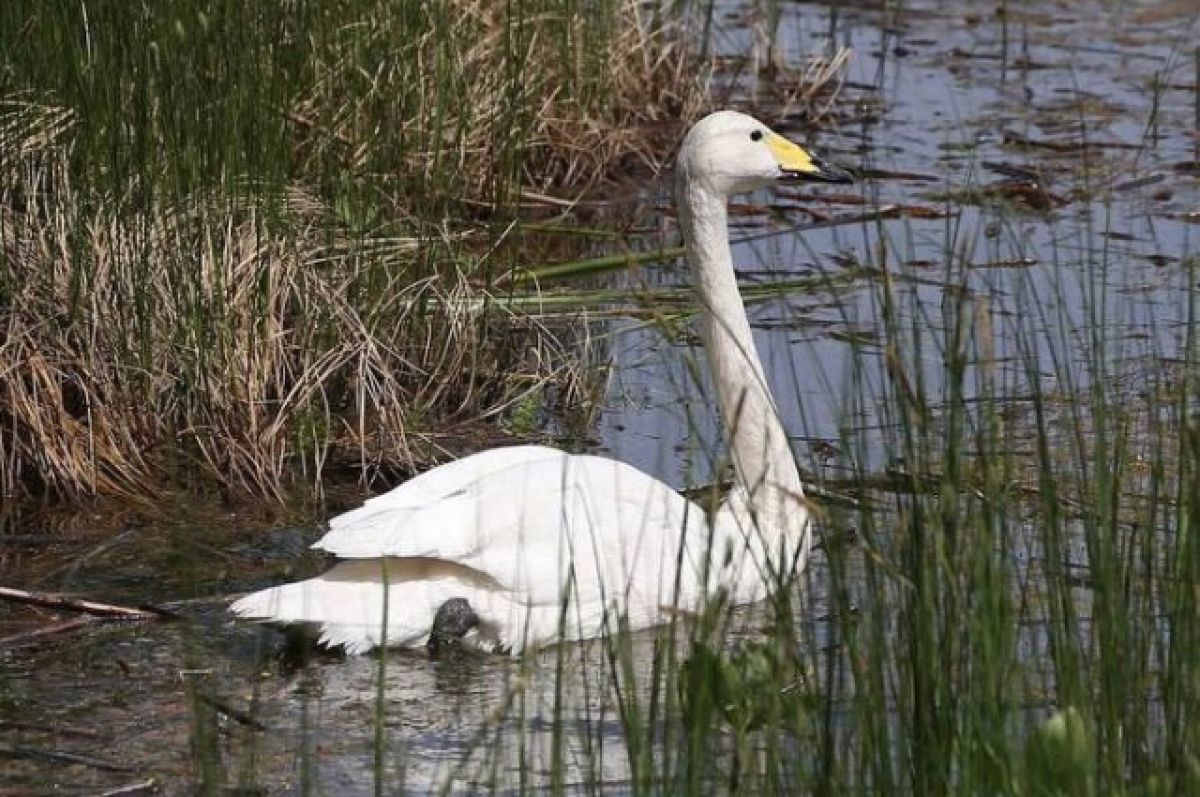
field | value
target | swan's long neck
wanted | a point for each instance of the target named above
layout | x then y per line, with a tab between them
764	468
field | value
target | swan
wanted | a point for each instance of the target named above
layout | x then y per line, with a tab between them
524	546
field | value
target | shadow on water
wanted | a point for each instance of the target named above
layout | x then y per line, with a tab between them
1042	167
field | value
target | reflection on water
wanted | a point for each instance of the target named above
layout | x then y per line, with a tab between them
1093	99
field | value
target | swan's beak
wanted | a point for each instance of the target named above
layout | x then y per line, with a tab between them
797	163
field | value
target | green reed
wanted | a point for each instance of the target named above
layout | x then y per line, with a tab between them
227	228
1010	612
1015	615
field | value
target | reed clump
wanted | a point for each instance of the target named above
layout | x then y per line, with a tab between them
239	243
140	348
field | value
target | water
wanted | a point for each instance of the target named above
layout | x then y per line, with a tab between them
938	91
956	102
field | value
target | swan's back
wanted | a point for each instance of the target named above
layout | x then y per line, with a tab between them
520	533
544	545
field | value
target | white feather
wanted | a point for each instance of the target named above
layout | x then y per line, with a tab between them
549	546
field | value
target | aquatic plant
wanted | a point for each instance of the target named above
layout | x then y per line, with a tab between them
237	241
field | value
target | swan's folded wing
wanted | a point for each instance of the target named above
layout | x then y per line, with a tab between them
367	531
605	530
494	504
442	481
536	523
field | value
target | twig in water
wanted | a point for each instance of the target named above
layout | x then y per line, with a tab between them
71	567
227	710
60	757
31	637
149	784
58	730
50	601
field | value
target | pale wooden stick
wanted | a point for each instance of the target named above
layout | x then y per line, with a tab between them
132	788
50	601
61	757
57	730
30	637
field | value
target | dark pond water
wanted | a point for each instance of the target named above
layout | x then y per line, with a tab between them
1094	101
1098	100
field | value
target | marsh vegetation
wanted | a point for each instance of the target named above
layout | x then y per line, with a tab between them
256	251
243	244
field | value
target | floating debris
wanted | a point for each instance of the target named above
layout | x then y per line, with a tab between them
1075	145
1015	172
887	174
1191	216
1140	182
1016	192
1016	262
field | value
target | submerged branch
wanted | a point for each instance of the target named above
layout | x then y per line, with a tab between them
61	757
109	610
27	638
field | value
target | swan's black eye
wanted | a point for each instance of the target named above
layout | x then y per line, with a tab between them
756	135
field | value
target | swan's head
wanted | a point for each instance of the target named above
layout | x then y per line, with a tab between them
730	153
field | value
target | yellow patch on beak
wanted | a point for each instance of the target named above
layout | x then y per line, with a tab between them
791	157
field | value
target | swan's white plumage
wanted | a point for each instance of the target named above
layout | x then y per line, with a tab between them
522	532
508	539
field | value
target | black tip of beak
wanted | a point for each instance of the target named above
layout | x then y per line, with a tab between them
831	173
826	172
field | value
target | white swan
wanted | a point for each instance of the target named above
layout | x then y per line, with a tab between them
528	545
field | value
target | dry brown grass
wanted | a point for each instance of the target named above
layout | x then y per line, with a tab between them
491	103
138	351
248	334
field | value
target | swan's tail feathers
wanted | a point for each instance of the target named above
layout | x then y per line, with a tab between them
349	638
348	612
